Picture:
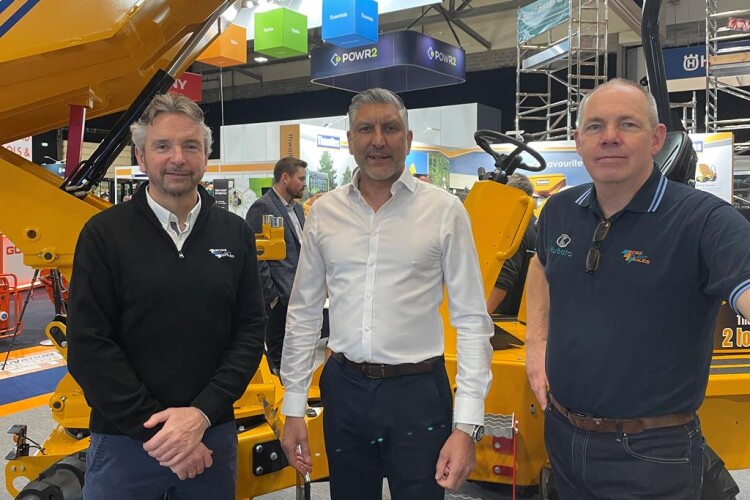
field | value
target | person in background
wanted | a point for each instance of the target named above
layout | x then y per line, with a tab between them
423	178
289	183
165	322
383	247
623	297
505	297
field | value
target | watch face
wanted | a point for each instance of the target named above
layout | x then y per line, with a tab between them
478	433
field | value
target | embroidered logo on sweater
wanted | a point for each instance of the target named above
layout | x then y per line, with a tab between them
220	253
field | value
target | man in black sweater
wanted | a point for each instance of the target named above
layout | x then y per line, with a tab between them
166	322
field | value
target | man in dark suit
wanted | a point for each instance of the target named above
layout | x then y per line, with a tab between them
278	275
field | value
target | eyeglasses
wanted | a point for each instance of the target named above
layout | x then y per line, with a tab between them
594	255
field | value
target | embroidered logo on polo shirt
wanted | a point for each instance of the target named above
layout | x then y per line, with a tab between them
635	256
220	253
562	241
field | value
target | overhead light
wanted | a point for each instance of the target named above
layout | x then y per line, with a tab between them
260	59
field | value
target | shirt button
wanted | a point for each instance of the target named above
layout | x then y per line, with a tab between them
369	295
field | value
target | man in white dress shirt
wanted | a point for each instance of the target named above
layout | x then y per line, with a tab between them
382	248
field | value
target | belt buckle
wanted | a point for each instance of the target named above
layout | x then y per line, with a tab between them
373	371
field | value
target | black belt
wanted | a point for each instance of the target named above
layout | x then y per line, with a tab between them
376	370
624	425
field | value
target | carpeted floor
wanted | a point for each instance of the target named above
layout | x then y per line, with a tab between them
29	374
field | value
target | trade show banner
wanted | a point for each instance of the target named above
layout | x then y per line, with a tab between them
540	16
289	139
221	192
326	152
190	85
350	23
400	61
21	147
715	170
11	262
732	331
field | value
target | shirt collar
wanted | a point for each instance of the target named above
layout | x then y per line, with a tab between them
404	181
283	200
165	216
647	199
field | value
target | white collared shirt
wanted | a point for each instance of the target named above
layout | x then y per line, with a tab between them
384	272
171	224
292	214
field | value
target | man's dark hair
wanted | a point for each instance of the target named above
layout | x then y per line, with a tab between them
287	166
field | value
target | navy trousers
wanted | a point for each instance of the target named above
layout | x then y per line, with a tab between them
393	427
117	468
662	463
275	331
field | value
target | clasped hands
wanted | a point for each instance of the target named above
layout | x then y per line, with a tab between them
178	444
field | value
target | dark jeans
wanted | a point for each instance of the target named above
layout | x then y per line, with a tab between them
117	468
662	463
392	427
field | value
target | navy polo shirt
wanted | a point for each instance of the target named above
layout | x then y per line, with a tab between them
634	338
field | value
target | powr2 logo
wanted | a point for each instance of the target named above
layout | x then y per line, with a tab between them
441	56
356	55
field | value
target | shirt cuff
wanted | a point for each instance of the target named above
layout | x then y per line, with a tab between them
294	404
204	415
469	411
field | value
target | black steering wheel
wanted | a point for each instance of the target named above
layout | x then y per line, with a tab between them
505	164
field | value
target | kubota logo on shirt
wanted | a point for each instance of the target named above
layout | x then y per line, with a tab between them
562	241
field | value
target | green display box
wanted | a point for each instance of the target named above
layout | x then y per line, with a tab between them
281	33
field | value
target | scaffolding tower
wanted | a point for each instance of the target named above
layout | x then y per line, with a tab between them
727	67
688	110
553	75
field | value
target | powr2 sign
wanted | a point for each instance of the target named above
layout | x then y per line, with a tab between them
355	55
436	55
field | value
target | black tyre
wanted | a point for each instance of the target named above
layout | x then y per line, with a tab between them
547	489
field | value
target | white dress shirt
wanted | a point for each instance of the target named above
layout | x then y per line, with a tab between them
384	272
171	223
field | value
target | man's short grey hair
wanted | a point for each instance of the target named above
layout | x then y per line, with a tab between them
173	104
377	96
520	181
653	111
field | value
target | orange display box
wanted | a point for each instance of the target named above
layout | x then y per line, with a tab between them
229	48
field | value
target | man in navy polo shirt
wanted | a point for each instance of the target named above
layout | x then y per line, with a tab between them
622	299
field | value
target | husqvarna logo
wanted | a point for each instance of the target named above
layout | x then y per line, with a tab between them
436	55
355	55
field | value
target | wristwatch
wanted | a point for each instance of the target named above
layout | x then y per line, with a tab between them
476	432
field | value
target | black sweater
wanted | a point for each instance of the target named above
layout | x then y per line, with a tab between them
151	328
